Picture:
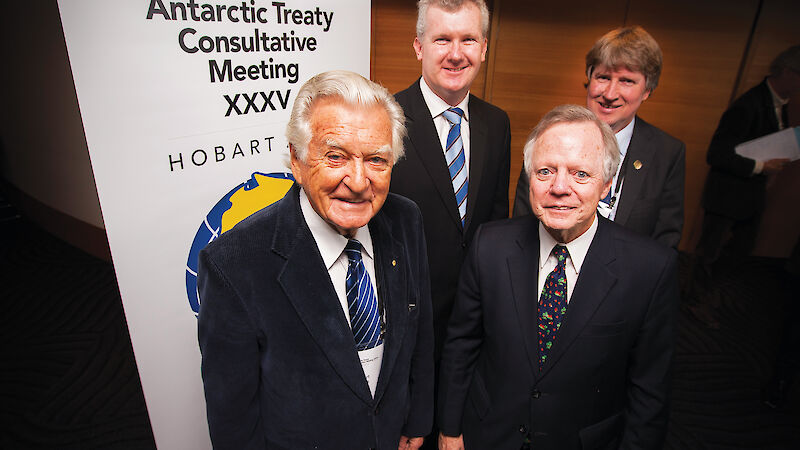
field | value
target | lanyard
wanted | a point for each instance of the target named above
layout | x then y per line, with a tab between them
620	178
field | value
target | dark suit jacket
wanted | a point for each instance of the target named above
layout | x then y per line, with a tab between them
731	188
280	368
423	177
605	382
652	196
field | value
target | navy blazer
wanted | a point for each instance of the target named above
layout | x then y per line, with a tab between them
424	178
280	368
651	202
605	381
732	190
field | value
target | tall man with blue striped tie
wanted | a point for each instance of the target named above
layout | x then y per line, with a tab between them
315	317
456	166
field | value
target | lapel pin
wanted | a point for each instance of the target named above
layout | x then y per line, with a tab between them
394	262
637	164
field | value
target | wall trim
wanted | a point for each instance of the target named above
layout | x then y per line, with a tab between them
87	237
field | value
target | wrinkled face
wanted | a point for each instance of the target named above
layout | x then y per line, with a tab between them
567	178
614	95
451	50
349	163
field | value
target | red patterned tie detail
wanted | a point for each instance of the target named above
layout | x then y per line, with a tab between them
552	304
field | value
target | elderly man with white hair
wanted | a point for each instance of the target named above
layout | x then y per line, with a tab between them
562	333
315	323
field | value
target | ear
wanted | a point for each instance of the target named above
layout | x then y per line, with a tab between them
646	95
483	50
296	165
418	48
607	188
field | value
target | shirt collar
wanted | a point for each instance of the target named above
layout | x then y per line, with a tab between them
776	99
435	103
577	248
624	138
330	243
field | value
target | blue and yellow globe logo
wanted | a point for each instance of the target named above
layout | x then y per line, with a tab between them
260	191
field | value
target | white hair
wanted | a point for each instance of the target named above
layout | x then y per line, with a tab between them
354	90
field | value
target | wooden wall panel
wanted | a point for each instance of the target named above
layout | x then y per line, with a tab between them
393	62
703	45
778	28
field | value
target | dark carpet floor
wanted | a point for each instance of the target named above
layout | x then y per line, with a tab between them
68	379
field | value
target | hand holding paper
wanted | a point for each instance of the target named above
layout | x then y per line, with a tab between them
782	145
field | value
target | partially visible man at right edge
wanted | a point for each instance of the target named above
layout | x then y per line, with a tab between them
735	189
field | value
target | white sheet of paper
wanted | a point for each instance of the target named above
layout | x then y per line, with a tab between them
782	144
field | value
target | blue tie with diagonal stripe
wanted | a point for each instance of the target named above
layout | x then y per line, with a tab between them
361	300
454	155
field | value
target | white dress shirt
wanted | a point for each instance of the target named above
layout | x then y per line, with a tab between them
777	103
623	142
577	249
437	106
331	246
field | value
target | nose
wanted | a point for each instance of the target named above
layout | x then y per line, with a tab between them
455	50
612	90
357	180
560	185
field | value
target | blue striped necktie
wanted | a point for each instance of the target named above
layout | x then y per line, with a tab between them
361	300
454	155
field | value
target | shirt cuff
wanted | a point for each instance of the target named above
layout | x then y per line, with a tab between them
758	167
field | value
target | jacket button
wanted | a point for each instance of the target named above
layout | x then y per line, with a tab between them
536	394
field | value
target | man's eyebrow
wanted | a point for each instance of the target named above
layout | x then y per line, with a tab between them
330	142
384	149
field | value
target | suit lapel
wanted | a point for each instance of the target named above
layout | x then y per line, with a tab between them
593	285
640	150
767	105
390	268
479	143
425	144
308	287
522	269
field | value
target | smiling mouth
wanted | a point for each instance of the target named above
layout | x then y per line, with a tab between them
607	106
355	201
455	69
561	208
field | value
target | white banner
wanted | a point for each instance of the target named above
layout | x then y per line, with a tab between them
184	106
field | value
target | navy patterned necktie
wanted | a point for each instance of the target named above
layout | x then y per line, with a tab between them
361	300
456	161
552	303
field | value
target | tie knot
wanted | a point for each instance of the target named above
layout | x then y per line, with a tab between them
453	115
353	250
561	254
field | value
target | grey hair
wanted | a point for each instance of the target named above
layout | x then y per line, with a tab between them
451	6
632	48
574	114
354	90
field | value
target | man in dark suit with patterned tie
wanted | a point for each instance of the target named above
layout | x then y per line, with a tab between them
315	318
457	151
563	330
